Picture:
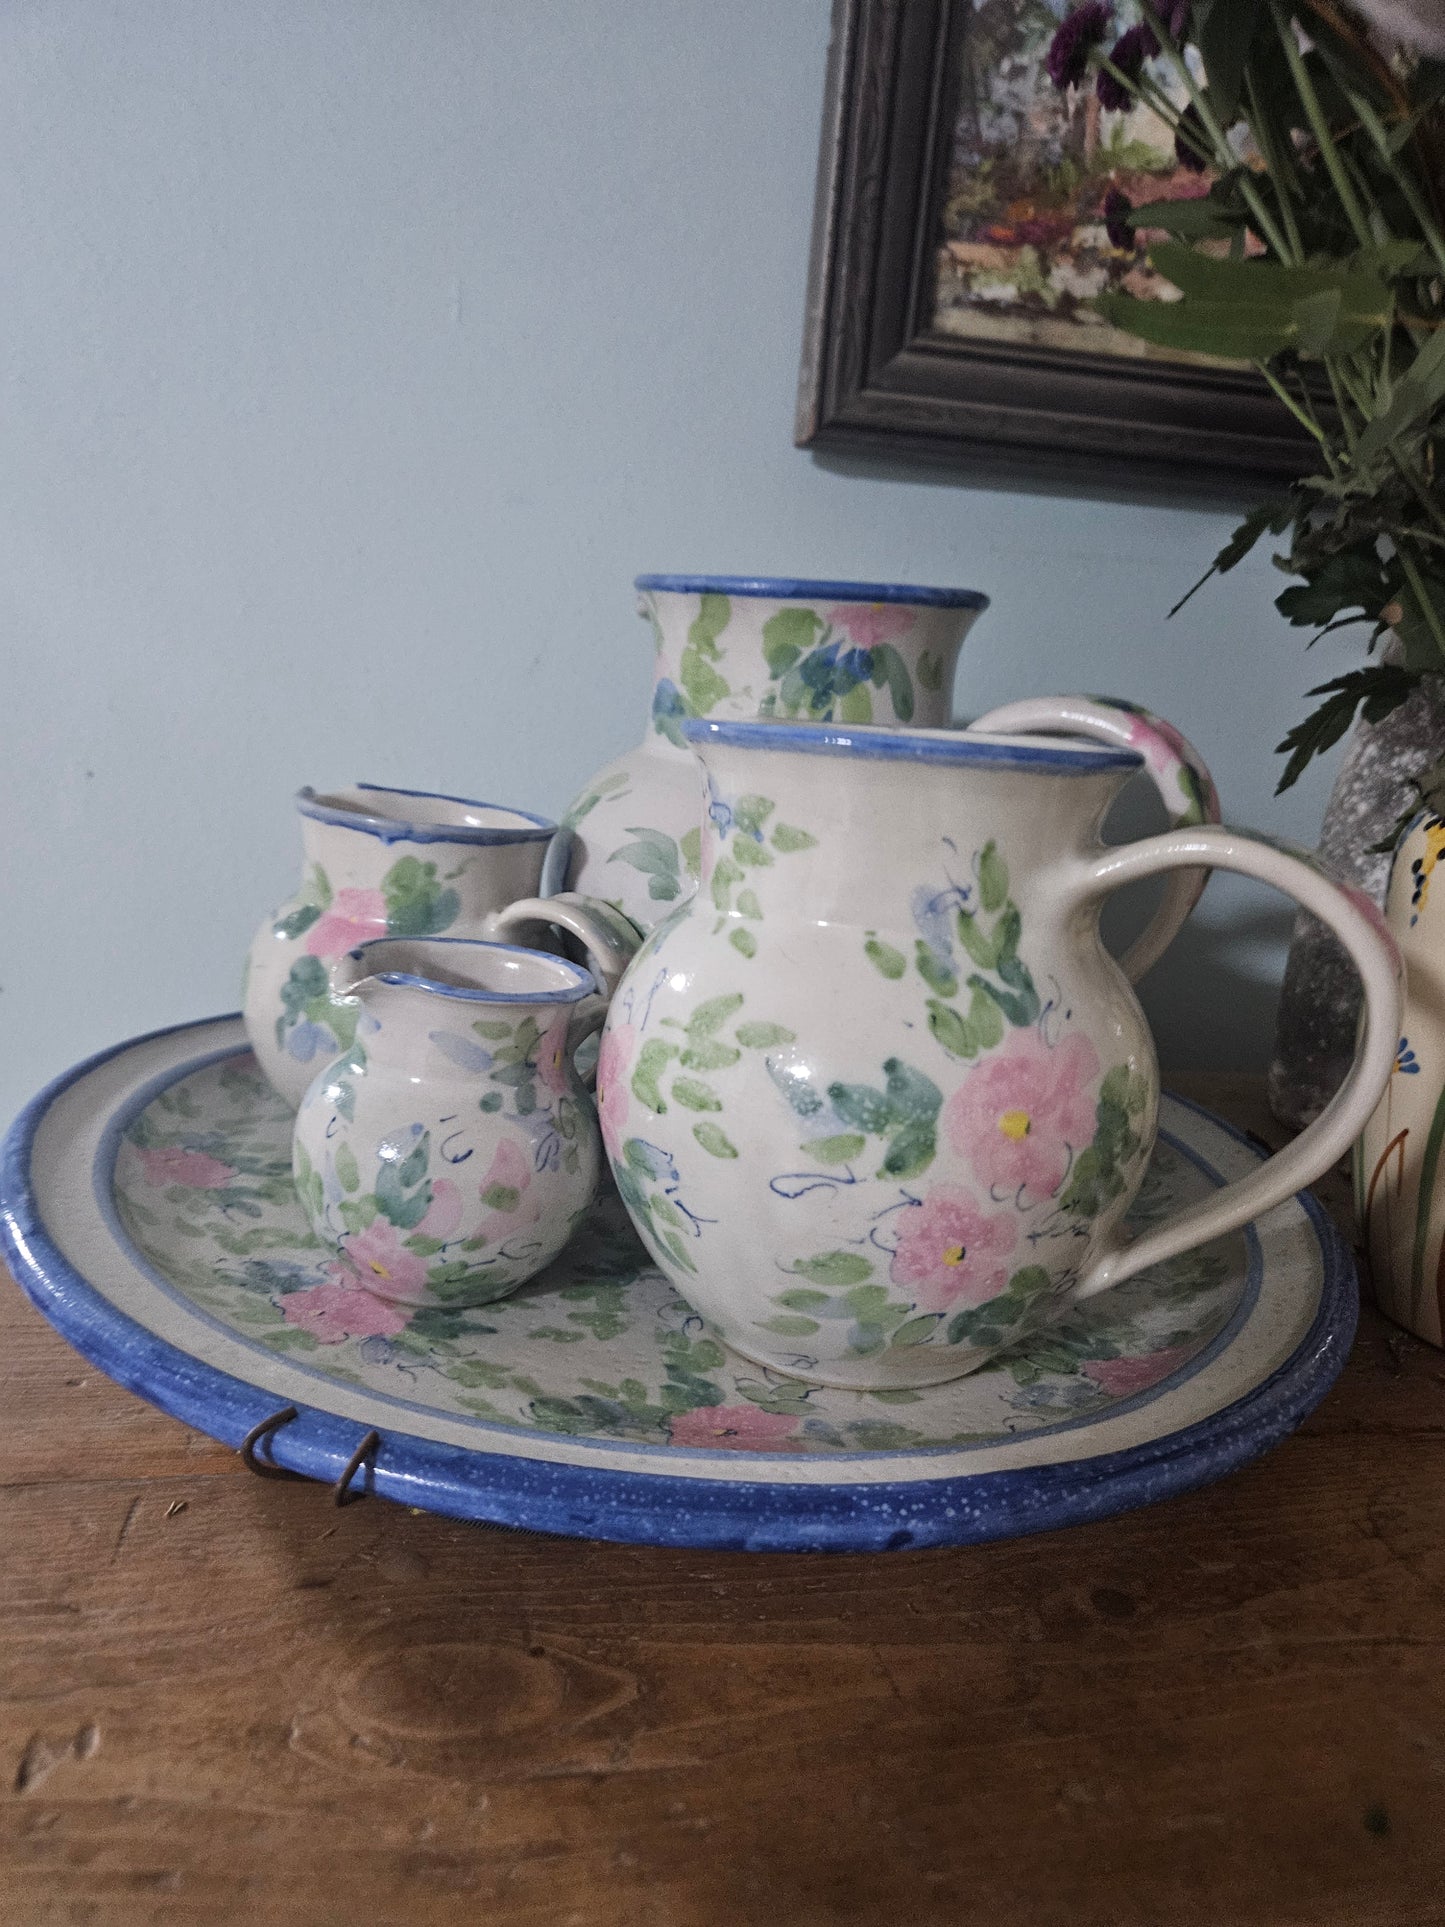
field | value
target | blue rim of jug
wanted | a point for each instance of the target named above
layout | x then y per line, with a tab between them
917	746
785	588
397	829
582	982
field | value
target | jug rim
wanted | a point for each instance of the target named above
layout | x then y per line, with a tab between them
786	588
324	807
874	742
579	983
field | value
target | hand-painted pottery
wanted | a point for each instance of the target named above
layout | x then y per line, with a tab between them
390	863
1399	1180
450	1154
147	1208
877	1099
727	646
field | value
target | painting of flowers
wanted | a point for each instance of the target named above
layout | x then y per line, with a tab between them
1046	158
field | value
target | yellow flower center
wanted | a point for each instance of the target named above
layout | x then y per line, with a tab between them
380	1270
1014	1124
955	1254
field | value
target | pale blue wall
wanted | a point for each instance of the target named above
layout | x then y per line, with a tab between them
354	354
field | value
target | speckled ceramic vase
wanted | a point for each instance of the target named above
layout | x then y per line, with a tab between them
744	647
1399	1176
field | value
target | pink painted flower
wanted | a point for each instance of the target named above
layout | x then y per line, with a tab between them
869	623
377	1261
552	1057
612	1099
334	1311
1121	1376
355	916
949	1252
197	1170
1020	1116
503	1190
737	1428
444	1213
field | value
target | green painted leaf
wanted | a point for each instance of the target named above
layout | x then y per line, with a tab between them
762	1036
743	940
714	1140
694	1094
978	942
691	847
412	1168
950	1029
501	1197
751	812
298	922
885	959
930	670
712	1015
836	1268
654	1056
910	1151
710	1055
917	1331
855	705
748	905
416	904
801	1299
836	1150
493	1101
911	1096
866	1109
347	1174
787	636
935	973
789	1325
788	839
489	1028
894	671
753	856
992	878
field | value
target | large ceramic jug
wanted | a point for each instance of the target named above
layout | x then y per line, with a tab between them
389	863
878	1099
732	646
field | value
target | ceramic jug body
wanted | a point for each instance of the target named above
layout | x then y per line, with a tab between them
378	863
450	1154
732	647
878	1099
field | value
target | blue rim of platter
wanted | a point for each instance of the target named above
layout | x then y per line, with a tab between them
789	588
396	829
886	745
586	1501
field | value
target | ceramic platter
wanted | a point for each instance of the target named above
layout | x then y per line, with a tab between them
149	1213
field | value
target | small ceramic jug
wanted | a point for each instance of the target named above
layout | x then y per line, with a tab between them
733	646
449	1155
878	1099
1399	1175
379	862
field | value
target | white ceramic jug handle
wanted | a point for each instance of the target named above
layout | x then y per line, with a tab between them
1361	929
1179	773
609	939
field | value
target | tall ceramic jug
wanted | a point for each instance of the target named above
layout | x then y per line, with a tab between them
878	1099
387	863
1400	1159
733	646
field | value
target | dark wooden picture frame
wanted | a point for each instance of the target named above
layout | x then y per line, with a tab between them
877	378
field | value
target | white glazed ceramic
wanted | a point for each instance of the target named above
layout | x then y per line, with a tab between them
390	863
1399	1182
732	646
450	1154
878	1098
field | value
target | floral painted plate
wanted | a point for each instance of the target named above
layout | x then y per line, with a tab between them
148	1211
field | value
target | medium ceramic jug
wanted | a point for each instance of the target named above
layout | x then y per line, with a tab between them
449	1155
878	1099
1399	1170
378	863
732	646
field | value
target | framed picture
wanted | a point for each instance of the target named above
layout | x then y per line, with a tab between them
958	240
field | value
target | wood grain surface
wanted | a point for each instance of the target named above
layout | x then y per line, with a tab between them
222	1700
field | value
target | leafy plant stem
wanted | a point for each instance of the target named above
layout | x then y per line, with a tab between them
1280	168
1410	194
1412	576
1305	421
1319	126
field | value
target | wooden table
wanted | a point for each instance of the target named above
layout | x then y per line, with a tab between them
222	1700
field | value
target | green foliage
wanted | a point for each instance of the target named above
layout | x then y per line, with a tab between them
1334	267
